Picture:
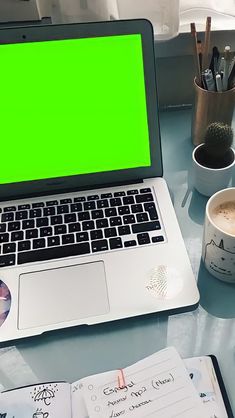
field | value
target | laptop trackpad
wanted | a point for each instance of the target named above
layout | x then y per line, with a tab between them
63	294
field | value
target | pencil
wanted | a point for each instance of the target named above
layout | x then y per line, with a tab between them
205	56
195	53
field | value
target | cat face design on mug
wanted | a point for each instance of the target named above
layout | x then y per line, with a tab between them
219	259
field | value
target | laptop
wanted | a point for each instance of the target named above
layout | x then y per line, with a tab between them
88	233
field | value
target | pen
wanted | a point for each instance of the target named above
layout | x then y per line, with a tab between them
199	52
205	56
214	65
227	59
195	53
218	80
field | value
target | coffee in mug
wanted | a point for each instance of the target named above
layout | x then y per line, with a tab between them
218	250
224	217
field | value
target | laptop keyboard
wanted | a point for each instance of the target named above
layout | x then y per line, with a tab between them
82	225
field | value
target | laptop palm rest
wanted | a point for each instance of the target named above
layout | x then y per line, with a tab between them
63	294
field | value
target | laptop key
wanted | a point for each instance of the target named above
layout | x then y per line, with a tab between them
99	245
62	209
28	224
131	243
124	230
74	227
151	209
69	218
130	192
50	211
23	214
123	210
52	203
82	236
95	214
76	207
13	226
116	201
68	239
45	231
102	204
110	232
158	238
83	216
3	227
128	200
93	197
115	243
79	199
60	229
8	217
110	212
145	190
145	227
102	223
38	205
9	248
89	205
17	236
129	219
35	213
23	207
39	243
65	201
142	217
9	209
106	195
52	241
31	233
24	245
56	220
137	208
148	197
88	225
42	222
117	220
96	234
143	239
53	253
7	260
4	237
118	194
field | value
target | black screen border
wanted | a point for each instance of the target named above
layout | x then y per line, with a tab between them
84	30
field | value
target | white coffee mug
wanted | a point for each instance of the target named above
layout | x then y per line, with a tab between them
218	250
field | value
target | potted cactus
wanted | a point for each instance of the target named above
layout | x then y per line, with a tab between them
214	159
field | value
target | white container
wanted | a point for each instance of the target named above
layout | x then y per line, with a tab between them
164	14
208	181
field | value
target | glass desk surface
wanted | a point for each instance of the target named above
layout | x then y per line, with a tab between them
77	352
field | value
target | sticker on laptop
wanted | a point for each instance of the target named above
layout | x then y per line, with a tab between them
5	302
164	282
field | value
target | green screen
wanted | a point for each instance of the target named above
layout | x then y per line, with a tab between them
72	107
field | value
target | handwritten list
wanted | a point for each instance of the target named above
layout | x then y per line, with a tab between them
158	386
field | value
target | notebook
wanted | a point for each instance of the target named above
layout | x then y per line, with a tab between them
88	232
160	386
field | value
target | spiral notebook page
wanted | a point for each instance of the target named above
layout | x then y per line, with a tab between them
158	386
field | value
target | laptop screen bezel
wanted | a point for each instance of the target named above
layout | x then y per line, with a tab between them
85	30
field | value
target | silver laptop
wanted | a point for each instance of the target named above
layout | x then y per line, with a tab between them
88	233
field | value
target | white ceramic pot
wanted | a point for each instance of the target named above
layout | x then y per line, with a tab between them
208	181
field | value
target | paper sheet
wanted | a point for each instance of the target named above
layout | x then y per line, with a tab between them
158	386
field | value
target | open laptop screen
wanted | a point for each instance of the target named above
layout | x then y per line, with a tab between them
72	106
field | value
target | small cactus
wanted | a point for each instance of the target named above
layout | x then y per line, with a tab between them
218	139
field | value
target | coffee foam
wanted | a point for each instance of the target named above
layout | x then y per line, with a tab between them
223	217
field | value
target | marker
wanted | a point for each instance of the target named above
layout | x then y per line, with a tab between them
218	82
209	80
